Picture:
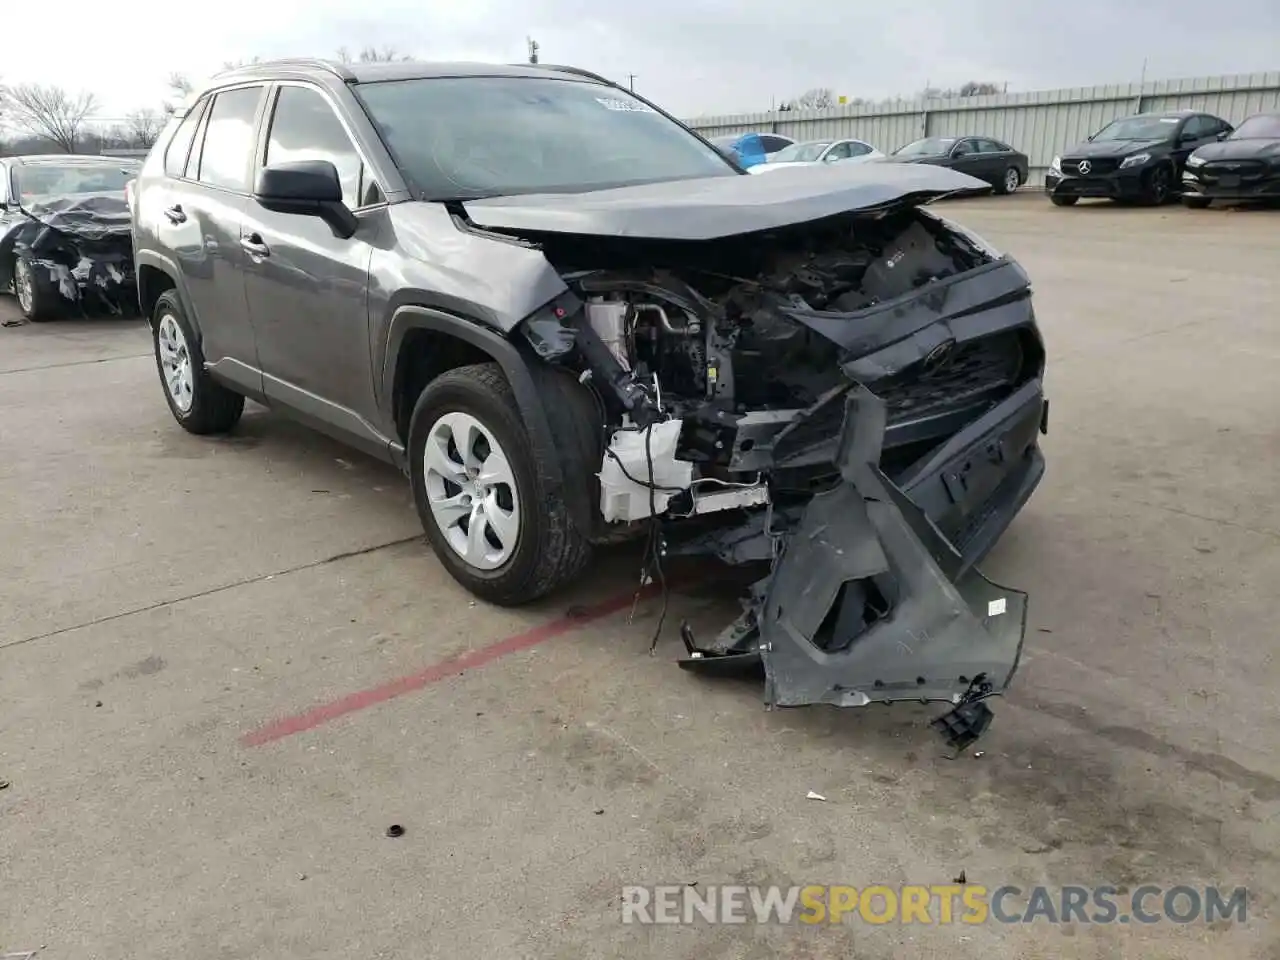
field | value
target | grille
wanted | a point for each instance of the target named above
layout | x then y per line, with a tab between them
974	377
1103	165
1244	169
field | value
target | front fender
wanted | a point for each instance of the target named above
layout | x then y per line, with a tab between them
515	366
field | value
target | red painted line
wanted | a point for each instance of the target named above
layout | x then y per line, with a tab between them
363	699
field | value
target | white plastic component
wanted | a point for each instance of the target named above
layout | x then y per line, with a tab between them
623	499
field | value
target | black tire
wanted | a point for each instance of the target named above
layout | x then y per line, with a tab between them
549	550
1063	201
1011	177
1196	203
213	408
43	302
1157	188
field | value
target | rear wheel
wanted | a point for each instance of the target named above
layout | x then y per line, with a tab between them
1063	201
481	498
1196	203
197	401
35	296
1011	181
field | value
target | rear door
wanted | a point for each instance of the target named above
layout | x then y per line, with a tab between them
202	204
307	289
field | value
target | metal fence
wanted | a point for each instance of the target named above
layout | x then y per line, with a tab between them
1040	123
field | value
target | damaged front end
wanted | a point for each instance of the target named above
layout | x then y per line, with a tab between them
854	404
77	249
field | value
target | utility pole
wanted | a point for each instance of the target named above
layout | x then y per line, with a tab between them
631	82
533	49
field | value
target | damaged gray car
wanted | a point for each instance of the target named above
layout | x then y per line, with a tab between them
65	244
571	321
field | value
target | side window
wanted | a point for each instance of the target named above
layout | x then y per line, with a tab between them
175	155
304	127
228	139
857	148
839	152
774	144
1197	127
991	146
963	149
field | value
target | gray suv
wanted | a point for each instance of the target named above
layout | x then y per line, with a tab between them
571	320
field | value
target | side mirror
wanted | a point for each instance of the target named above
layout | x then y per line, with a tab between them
1091	136
306	187
1223	134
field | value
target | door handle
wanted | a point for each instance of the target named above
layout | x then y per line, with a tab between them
175	214
254	247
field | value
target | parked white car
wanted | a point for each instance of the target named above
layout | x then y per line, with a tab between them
811	153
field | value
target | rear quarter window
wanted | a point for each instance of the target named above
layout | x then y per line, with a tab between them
175	154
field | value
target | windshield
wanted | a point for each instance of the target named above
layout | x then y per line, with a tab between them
41	181
1265	126
801	152
466	137
928	147
1138	128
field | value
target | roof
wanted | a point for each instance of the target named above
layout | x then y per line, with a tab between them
1168	113
65	158
400	70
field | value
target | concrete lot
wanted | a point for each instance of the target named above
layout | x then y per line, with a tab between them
166	599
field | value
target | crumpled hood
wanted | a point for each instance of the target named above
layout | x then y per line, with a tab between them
1240	150
714	207
88	216
1109	148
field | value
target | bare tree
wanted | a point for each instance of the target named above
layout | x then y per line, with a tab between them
50	112
236	64
819	98
143	127
977	88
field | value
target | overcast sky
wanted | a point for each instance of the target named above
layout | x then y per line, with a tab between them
692	56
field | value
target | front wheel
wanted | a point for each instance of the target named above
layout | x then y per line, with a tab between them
482	500
1011	181
36	296
1159	186
1063	201
1196	203
197	401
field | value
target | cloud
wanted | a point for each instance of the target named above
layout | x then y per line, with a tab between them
692	56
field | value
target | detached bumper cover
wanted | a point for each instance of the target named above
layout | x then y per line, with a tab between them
869	601
940	639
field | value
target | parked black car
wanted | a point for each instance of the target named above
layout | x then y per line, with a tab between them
522	285
1138	158
64	234
1244	166
982	157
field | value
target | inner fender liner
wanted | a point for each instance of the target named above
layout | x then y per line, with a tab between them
939	640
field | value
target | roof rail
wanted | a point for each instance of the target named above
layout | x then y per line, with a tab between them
577	71
314	63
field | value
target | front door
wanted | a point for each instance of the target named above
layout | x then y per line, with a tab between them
308	289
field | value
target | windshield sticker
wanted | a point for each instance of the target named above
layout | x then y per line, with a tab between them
624	106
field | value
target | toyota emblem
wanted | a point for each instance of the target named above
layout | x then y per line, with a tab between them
1085	166
939	356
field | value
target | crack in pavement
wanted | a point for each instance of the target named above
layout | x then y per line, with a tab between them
74	363
310	564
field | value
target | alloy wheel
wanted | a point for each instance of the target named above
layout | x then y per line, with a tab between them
24	285
471	490
1011	180
175	362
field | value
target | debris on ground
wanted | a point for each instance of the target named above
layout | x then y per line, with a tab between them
395	830
813	795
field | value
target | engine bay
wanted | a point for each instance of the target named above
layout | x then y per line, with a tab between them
687	344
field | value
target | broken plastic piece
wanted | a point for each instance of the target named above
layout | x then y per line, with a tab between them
813	795
964	725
